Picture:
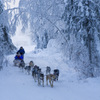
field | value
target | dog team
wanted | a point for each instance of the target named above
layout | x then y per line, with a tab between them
35	70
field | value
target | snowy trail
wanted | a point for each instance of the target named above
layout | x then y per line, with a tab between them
20	86
17	85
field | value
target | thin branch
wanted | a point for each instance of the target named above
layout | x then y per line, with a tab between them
56	27
16	8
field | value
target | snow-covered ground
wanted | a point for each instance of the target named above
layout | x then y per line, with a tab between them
18	85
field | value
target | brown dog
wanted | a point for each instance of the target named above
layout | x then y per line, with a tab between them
51	78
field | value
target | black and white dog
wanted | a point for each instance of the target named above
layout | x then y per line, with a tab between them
40	77
31	63
56	73
28	69
22	65
35	72
48	70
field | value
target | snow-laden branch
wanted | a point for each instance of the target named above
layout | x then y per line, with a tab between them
56	28
15	8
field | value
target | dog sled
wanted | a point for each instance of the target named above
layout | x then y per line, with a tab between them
17	62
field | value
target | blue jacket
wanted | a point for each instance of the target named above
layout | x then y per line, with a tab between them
18	57
21	51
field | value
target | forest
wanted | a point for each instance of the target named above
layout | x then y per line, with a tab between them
73	24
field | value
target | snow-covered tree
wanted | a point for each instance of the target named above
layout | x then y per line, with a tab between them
6	46
82	18
40	16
